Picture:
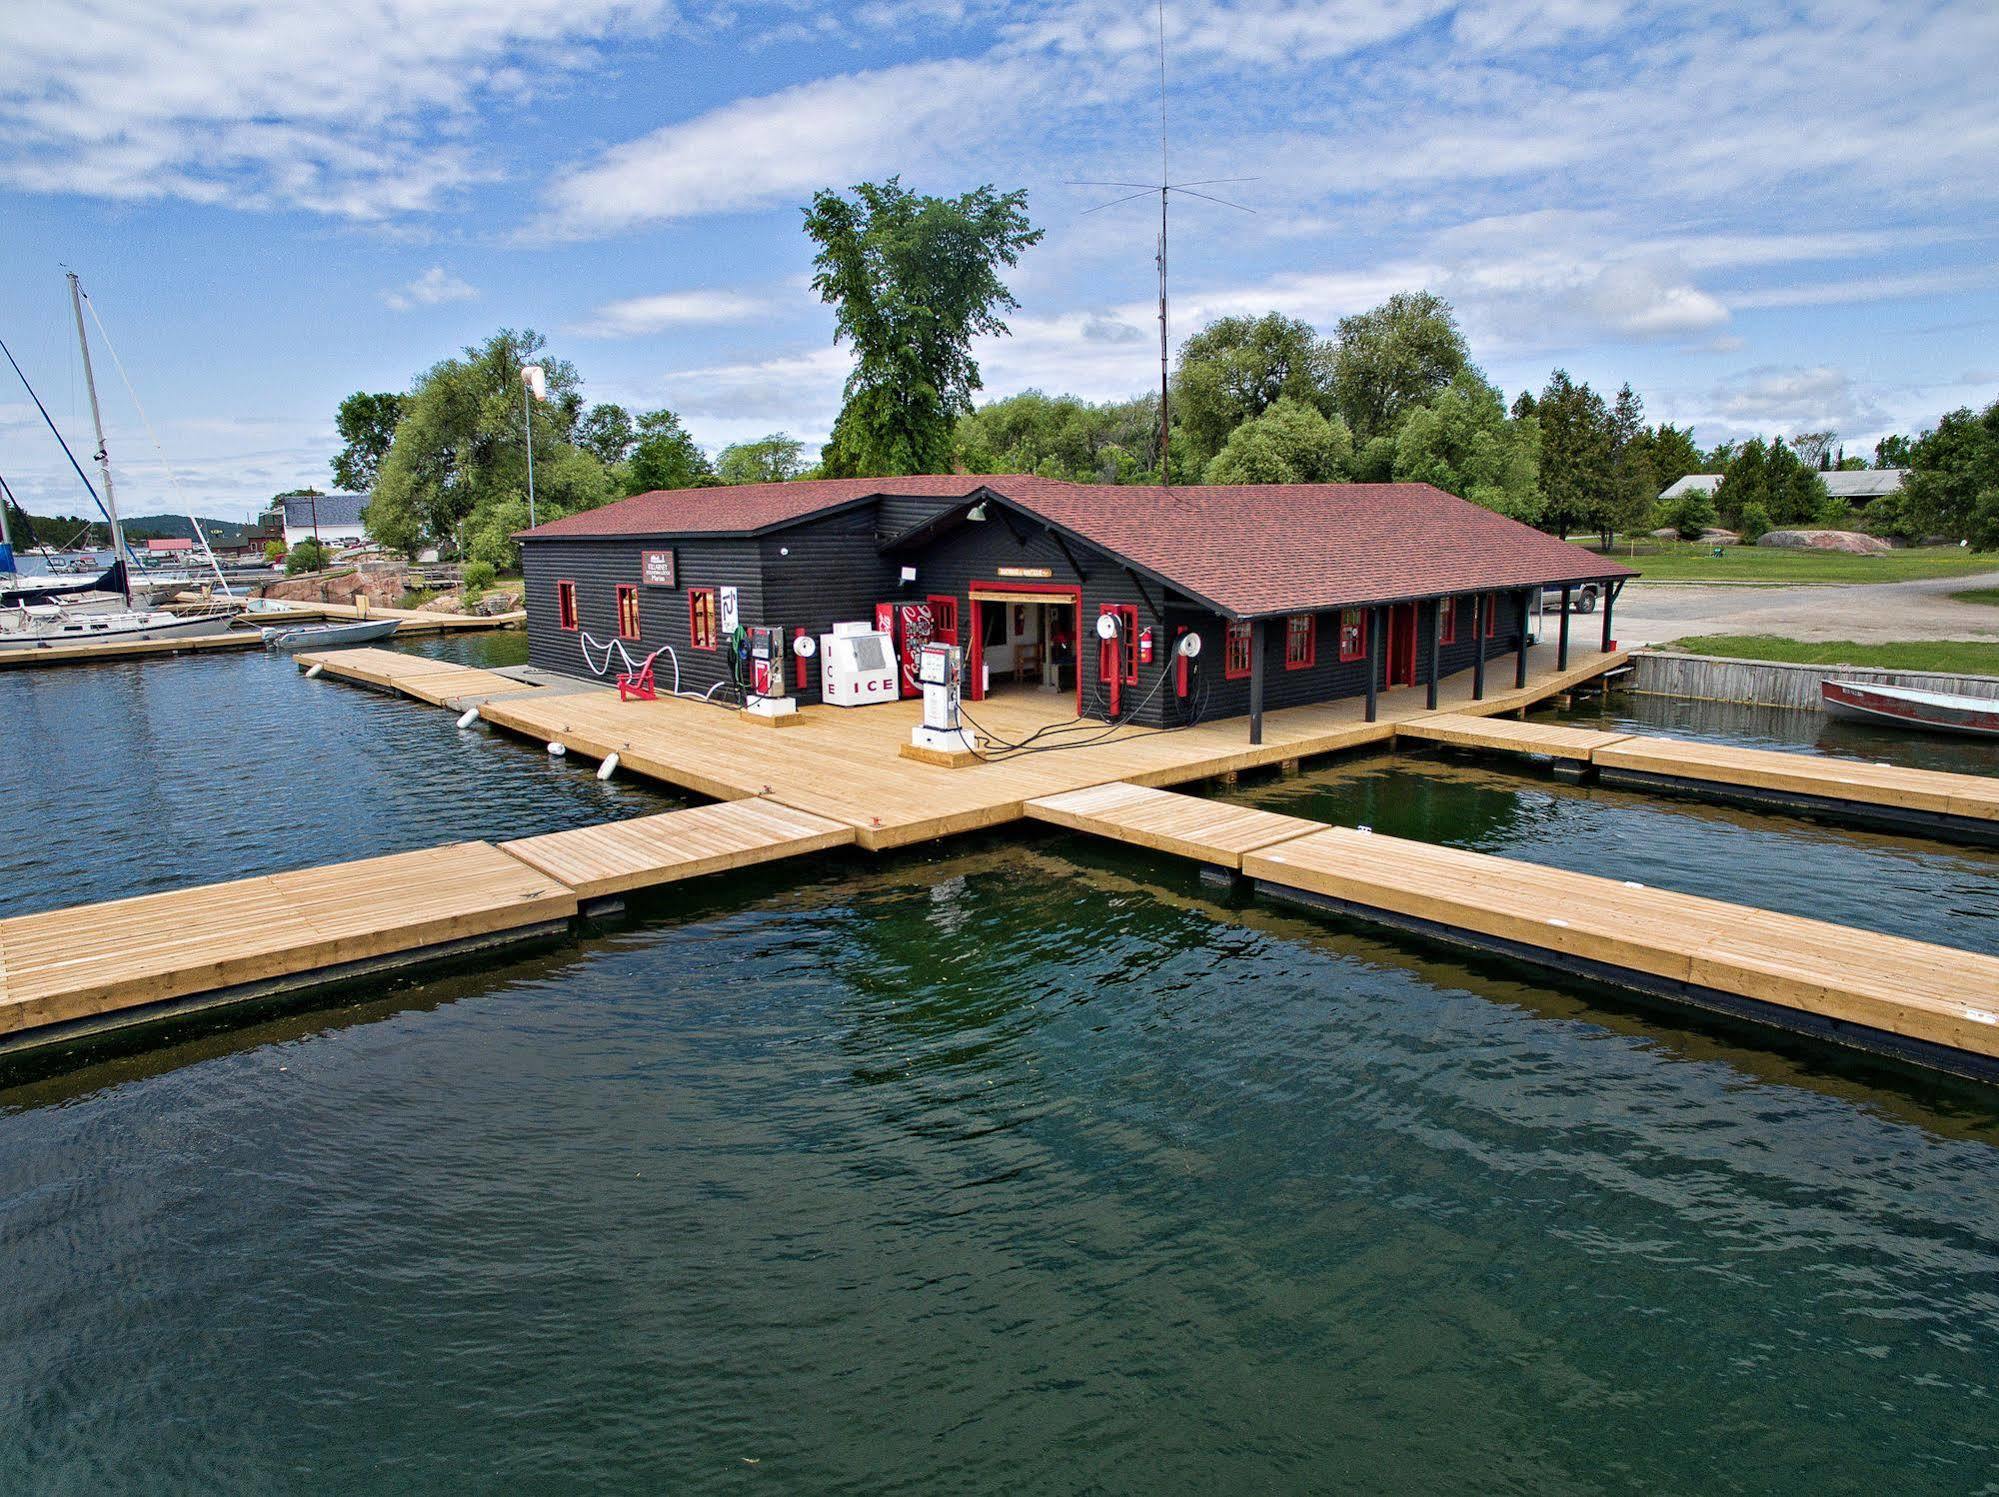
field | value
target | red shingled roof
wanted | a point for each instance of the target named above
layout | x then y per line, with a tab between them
744	508
1248	549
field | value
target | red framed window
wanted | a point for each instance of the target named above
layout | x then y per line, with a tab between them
1448	629
1353	634
1235	650
628	610
1301	641
701	618
1126	664
1491	603
943	620
565	605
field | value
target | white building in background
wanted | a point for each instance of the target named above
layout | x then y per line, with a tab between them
1857	487
334	518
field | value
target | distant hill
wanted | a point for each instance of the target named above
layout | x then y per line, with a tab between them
167	527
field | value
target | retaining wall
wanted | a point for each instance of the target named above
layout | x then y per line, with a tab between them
1765	683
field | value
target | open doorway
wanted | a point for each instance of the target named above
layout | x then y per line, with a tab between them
1025	640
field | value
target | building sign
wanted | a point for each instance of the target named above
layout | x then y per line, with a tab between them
730	617
1026	571
656	568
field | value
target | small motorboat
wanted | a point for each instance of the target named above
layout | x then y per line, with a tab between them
328	636
1936	711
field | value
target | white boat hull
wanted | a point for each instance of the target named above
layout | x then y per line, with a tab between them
328	636
23	629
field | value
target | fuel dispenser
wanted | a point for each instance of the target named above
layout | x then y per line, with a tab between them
940	671
764	684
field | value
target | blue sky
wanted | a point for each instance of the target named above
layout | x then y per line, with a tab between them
1769	218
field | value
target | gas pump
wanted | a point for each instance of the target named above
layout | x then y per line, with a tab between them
765	696
940	670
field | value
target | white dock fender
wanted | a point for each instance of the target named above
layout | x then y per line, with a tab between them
609	767
556	750
468	717
314	670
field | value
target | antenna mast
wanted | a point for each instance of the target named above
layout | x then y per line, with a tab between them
1164	187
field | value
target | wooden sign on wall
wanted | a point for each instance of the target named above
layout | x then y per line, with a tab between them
656	568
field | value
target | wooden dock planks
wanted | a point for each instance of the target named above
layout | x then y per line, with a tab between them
1205	830
1548	740
439	682
1819	775
82	654
84	963
619	856
1932	994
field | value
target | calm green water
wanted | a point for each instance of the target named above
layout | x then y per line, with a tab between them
1020	1165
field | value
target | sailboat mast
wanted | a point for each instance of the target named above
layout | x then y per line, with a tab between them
97	420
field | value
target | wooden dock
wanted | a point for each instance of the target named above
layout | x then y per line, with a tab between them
442	683
409	621
86	653
69	974
1882	993
1963	807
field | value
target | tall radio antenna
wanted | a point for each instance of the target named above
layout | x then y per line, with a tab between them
1165	186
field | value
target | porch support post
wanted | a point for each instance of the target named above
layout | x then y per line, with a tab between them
1609	601
1256	681
1562	638
1520	664
1479	605
1436	650
1374	632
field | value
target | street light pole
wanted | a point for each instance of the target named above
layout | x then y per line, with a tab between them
527	427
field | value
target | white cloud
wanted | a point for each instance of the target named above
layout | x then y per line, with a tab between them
1769	400
350	110
636	316
435	286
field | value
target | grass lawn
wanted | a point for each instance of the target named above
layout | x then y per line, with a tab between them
1951	656
1688	561
1978	595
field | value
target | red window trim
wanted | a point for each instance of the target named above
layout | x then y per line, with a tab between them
1236	631
1127	640
694	596
1310	657
629	592
567	616
1359	651
1448	629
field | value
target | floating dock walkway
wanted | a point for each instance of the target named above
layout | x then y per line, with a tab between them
1958	806
247	634
1886	994
834	779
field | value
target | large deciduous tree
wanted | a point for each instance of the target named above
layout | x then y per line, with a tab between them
1464	442
1953	486
1394	358
460	451
664	456
606	433
1236	368
367	424
776	458
1291	442
1060	436
912	280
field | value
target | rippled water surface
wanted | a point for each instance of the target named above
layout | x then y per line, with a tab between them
1018	1165
154	774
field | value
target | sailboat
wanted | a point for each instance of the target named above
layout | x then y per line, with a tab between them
40	616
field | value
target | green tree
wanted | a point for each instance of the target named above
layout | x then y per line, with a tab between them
1236	368
664	456
776	458
460	450
308	555
1692	513
1634	486
606	432
367	424
1291	442
912	280
1754	523
1063	437
1464	442
1893	451
1797	493
1398	356
1745	480
1954	471
1674	454
1814	448
1578	465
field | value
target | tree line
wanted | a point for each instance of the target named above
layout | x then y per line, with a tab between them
913	280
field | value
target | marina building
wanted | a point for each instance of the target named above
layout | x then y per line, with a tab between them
1089	594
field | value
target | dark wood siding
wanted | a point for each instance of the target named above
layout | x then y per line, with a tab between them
597	567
